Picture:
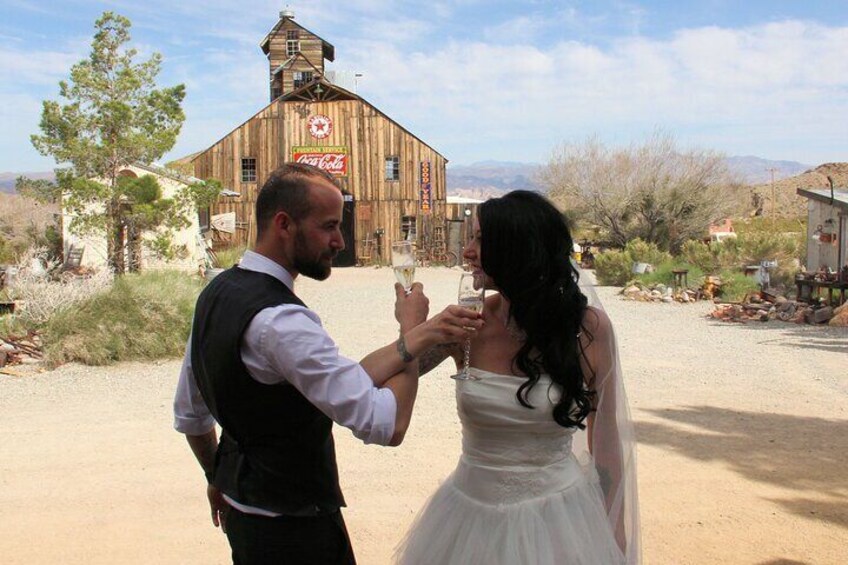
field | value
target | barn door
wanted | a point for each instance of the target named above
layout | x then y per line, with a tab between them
347	257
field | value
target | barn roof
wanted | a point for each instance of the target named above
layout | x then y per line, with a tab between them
320	90
329	51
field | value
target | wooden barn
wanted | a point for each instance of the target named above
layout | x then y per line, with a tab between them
395	183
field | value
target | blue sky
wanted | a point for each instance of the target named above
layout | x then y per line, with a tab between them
479	80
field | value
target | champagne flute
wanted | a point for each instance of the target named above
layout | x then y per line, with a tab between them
403	262
471	295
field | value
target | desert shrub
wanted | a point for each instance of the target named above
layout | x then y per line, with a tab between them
663	274
613	268
701	254
644	252
41	291
229	256
759	246
141	317
26	223
735	285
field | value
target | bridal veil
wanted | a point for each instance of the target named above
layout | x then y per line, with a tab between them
609	442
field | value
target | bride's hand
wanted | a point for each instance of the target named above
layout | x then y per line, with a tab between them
454	324
411	308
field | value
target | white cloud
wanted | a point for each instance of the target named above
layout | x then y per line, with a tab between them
774	81
772	89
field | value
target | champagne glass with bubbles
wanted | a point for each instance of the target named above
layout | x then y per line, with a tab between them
403	262
471	295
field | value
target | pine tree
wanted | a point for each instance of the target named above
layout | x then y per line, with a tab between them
114	116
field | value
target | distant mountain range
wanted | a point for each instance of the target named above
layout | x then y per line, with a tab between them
7	180
492	178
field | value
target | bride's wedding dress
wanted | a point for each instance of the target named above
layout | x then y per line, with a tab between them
519	494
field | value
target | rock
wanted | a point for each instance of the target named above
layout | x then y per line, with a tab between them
841	319
781	300
6	347
667	299
820	316
631	291
684	297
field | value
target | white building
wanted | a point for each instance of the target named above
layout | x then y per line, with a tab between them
94	248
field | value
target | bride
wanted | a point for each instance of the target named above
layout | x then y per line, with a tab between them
547	472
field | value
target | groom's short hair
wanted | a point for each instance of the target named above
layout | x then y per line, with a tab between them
287	189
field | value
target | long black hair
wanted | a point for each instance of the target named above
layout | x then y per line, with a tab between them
526	249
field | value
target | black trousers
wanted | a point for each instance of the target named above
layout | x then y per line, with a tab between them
289	540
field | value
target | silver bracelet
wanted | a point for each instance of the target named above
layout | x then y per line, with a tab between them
405	355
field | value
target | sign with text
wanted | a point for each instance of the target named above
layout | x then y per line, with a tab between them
425	195
332	159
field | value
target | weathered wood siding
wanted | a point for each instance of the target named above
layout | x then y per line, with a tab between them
369	136
311	47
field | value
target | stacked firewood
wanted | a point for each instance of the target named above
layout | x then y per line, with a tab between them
15	350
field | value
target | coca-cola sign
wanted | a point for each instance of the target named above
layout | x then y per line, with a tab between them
331	159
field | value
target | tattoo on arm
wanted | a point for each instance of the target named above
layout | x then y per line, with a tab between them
431	358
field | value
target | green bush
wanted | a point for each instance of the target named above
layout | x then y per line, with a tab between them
141	317
663	274
735	285
615	267
643	252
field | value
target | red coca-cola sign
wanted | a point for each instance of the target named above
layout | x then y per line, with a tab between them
331	159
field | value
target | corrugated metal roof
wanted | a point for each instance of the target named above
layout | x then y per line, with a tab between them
840	195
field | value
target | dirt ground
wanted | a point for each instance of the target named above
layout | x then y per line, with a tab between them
743	443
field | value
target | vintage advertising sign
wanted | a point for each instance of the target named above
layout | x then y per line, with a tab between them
320	126
425	196
332	159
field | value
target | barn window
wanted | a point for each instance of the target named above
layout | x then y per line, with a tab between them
393	168
248	170
292	47
302	78
408	228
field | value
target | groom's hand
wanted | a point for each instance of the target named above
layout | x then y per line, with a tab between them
219	506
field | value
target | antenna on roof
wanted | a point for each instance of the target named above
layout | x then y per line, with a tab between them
287	13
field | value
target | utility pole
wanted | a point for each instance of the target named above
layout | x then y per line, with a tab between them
772	171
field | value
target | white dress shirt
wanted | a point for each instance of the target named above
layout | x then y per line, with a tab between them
286	344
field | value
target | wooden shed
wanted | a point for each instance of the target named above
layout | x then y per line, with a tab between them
395	183
827	228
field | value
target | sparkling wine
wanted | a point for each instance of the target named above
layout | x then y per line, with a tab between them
475	304
405	276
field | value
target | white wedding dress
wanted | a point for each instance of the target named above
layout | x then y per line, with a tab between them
518	494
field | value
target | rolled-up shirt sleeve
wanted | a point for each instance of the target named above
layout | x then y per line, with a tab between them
287	343
191	415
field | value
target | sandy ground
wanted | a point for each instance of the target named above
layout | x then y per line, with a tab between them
743	444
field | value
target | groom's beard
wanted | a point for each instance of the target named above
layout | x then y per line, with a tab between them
307	264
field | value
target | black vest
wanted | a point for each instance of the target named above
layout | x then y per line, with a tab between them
276	450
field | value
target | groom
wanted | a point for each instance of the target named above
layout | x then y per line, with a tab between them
260	364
